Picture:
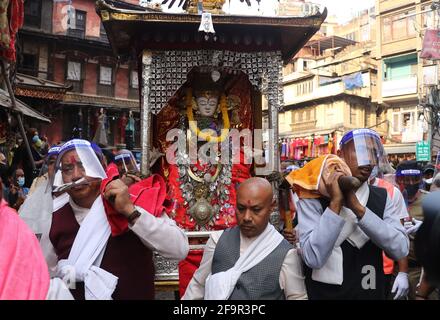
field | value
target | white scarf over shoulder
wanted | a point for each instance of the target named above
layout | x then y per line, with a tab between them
86	253
332	272
220	286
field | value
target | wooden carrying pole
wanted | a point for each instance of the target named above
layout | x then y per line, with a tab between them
285	207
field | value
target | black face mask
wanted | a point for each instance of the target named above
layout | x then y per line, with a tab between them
412	190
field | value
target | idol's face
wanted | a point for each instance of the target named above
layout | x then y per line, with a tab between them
207	105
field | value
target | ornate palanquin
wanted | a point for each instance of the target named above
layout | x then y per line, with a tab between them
169	47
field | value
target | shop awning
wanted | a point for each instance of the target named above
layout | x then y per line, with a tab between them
5	102
400	148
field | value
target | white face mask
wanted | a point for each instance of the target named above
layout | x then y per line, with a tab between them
428	181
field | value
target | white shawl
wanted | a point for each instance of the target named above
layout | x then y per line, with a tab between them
332	271
220	286
86	254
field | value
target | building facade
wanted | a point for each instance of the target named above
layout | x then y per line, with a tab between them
327	93
65	45
402	80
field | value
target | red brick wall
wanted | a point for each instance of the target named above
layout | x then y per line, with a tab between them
59	70
121	85
53	131
92	20
91	79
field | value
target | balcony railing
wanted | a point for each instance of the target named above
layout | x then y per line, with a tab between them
77	33
400	86
77	86
106	91
304	125
290	98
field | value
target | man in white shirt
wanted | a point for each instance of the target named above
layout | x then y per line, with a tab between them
80	246
342	238
251	261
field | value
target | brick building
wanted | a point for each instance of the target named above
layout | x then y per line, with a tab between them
67	70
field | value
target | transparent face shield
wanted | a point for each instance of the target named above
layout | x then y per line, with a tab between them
76	164
363	147
409	177
126	163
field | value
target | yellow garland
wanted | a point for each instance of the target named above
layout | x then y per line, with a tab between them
207	136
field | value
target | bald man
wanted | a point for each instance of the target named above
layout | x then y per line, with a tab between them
251	261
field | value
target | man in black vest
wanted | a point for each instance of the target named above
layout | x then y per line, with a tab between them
342	238
251	261
104	257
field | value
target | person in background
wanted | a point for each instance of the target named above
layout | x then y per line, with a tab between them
4	174
46	170
17	191
427	248
21	156
428	175
409	178
37	209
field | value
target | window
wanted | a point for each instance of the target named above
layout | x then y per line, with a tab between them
105	81
74	75
304	88
29	64
79	29
398	27
350	36
73	70
32	13
365	32
428	17
400	67
134	83
102	32
405	120
304	65
105	75
353	114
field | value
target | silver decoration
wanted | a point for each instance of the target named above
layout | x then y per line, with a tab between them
146	112
166	269
168	70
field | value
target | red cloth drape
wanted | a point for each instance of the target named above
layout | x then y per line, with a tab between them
187	268
12	17
148	194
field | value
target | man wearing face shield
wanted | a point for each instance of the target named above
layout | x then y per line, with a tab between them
342	238
37	209
128	170
79	245
409	179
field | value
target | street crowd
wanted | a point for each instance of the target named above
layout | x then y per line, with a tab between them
88	225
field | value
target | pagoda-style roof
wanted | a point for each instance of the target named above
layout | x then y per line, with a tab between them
29	86
131	31
21	107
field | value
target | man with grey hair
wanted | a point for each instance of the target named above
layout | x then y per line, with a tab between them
251	261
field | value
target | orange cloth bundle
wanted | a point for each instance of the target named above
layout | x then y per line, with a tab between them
309	181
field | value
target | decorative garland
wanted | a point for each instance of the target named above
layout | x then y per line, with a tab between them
208	136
